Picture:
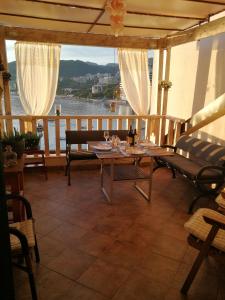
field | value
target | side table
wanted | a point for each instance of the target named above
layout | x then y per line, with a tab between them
38	161
14	179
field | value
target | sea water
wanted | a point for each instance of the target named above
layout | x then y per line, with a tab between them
71	106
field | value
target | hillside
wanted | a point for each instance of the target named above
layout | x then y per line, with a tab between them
75	68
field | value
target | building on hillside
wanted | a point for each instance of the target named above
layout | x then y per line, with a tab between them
96	89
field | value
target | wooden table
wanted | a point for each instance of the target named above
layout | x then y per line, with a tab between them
118	172
14	179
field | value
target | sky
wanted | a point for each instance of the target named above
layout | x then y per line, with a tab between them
99	55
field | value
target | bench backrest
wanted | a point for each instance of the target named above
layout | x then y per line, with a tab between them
83	136
202	150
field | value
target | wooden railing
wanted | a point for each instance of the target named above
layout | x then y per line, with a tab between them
161	129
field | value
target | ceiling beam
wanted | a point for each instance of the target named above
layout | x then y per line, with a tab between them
97	19
72	5
74	38
203	31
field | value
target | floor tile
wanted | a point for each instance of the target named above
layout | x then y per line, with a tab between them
104	277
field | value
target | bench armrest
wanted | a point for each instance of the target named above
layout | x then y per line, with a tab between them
169	146
221	171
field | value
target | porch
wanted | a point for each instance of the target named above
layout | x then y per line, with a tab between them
129	250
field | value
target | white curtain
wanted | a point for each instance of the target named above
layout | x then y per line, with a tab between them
37	67
134	72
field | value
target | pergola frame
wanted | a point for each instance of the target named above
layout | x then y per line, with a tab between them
87	39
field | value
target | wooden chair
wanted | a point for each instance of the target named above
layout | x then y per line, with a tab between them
80	137
207	234
23	240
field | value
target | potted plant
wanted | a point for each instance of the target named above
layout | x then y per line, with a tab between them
32	140
15	140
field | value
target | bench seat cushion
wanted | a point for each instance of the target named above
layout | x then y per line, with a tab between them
81	155
189	167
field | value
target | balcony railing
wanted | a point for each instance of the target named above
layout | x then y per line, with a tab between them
161	129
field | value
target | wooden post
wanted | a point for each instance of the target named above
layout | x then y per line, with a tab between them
167	77
165	93
6	90
160	77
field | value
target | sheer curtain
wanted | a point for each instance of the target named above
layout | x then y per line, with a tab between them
133	64
37	67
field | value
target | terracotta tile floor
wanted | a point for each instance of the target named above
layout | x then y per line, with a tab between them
130	250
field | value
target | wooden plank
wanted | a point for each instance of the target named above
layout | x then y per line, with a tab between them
157	131
148	128
34	125
163	130
138	126
109	124
67	124
46	140
120	124
170	136
167	78
78	124
99	124
22	126
57	137
177	131
75	38
89	124
160	78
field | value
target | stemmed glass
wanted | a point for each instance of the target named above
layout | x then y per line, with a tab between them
106	135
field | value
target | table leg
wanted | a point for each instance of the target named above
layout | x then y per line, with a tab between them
150	179
107	195
140	190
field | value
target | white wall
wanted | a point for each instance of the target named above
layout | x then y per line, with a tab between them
198	77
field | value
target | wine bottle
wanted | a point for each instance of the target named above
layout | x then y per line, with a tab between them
130	139
135	137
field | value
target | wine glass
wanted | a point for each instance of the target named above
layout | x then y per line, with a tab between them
106	135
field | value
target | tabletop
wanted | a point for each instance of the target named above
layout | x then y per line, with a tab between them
128	152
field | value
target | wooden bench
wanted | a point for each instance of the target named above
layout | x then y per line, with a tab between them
203	163
79	137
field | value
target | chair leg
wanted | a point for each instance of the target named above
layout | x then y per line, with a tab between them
173	172
201	256
68	173
66	170
36	251
31	277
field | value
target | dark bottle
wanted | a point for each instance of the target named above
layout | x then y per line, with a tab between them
130	137
135	136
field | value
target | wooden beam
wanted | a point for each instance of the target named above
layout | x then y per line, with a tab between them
167	78
73	38
102	11
160	78
203	31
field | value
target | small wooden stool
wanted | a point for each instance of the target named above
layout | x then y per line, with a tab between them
38	161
